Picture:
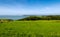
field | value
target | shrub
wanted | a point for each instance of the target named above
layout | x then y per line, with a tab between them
31	18
5	20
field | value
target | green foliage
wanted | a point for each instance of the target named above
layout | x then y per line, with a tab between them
5	20
31	18
51	17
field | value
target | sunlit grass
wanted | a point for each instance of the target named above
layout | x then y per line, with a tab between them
41	28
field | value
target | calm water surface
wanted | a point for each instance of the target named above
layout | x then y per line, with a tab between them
11	17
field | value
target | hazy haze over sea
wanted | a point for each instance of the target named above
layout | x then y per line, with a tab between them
14	17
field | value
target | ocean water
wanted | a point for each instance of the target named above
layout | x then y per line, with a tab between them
11	17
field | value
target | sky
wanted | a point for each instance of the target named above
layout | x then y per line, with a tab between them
29	7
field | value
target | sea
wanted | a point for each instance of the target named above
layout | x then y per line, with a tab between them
14	17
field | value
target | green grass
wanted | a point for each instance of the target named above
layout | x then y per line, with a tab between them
41	28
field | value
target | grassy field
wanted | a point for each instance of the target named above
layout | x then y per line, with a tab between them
41	28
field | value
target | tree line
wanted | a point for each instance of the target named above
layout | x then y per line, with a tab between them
50	17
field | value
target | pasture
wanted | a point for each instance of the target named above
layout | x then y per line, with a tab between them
41	28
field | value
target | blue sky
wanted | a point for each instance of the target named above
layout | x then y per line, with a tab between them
29	7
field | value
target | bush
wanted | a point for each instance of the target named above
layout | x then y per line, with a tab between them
50	17
5	20
31	18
